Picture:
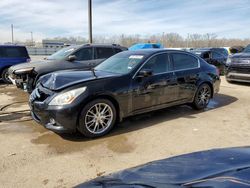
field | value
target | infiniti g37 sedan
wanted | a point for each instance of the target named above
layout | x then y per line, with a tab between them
128	83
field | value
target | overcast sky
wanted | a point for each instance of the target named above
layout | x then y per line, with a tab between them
51	18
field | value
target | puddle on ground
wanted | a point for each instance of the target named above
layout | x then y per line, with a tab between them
212	104
28	126
73	143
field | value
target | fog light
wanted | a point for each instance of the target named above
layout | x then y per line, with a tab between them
52	121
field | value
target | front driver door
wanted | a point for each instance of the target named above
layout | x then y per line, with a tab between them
158	89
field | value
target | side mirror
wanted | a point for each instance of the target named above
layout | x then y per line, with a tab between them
72	58
145	73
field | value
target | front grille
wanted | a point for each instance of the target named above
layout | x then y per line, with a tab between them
240	69
40	94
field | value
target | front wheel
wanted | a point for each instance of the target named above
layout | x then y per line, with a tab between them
5	76
97	118
202	97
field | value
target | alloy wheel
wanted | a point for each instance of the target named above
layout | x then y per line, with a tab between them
99	118
204	96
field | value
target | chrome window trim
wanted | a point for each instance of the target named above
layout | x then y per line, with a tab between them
172	71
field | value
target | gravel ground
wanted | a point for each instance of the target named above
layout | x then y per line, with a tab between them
31	156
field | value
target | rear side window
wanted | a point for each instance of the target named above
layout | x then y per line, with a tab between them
184	61
13	52
158	64
84	54
103	53
117	50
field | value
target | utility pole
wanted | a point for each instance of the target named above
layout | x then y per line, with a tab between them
12	34
31	35
90	21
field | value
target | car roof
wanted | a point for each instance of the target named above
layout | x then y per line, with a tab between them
97	45
151	51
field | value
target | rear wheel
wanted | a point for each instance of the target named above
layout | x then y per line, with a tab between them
5	76
202	97
97	118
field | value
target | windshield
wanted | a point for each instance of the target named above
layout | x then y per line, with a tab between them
61	54
247	49
120	63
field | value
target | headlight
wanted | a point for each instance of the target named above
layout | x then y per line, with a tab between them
229	61
67	97
24	70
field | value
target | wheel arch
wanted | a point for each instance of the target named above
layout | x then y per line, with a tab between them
107	97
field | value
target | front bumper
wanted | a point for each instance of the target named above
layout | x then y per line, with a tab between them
60	119
238	74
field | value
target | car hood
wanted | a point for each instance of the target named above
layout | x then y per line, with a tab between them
42	63
222	168
62	79
241	55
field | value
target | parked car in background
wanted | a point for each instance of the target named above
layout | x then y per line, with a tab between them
145	46
76	57
126	84
212	57
238	66
11	55
222	51
236	49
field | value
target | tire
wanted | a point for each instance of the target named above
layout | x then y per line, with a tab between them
93	124
5	75
202	97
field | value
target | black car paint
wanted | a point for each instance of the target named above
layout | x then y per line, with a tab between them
208	56
130	94
47	66
239	68
217	168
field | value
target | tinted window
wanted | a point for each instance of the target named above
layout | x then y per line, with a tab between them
184	61
103	53
121	63
117	50
216	55
12	52
84	54
158	64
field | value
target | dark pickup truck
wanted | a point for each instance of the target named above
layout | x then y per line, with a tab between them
214	56
238	67
79	57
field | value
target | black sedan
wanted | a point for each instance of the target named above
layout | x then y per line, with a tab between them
82	57
128	83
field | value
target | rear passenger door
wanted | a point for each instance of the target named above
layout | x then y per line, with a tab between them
186	68
85	58
102	53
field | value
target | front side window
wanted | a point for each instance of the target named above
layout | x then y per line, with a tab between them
103	53
184	61
84	54
158	64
